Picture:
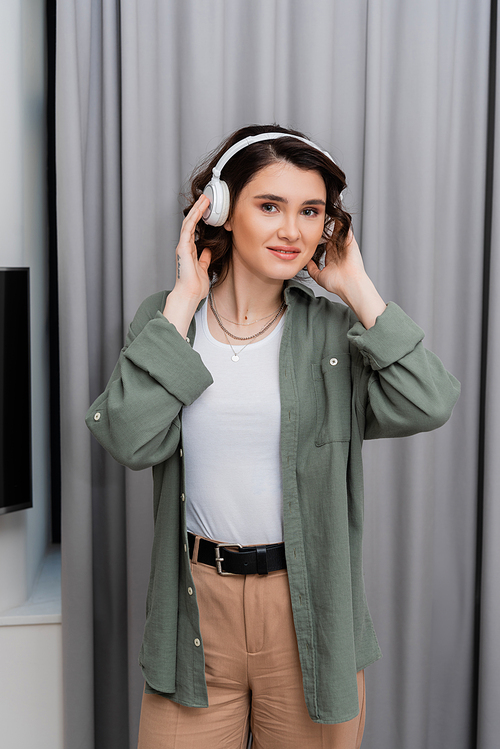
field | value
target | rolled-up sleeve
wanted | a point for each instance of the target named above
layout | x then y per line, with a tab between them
157	373
402	387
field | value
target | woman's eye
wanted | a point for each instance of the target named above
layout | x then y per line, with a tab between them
269	208
310	212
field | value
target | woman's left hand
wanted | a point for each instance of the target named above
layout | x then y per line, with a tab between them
347	278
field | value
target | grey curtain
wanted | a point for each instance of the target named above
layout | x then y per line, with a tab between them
489	527
398	93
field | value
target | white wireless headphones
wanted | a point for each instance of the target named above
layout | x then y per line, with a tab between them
217	190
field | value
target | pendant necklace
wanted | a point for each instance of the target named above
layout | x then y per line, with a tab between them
235	357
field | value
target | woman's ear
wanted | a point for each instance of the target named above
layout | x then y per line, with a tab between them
227	225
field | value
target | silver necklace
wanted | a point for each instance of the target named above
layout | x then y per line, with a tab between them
235	356
243	338
246	323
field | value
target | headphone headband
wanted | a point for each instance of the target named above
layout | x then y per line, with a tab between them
241	144
217	190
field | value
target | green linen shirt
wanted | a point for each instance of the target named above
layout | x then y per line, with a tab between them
339	384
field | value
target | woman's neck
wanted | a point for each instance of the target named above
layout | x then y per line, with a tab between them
244	298
246	306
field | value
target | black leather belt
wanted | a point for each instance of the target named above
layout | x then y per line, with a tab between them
237	560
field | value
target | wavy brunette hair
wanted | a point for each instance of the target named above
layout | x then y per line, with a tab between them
243	166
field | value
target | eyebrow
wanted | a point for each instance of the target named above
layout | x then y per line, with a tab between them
279	199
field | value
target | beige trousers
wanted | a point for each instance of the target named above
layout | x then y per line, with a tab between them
253	675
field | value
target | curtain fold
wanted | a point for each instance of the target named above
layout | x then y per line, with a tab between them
90	282
397	92
77	578
422	239
489	651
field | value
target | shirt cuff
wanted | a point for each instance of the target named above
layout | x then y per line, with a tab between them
393	336
160	350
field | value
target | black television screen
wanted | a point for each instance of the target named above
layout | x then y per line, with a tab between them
15	390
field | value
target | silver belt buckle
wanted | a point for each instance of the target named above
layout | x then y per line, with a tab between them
219	559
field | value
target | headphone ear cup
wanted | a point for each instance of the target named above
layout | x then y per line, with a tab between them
217	212
225	203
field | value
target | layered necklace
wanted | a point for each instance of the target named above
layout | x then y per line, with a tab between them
235	357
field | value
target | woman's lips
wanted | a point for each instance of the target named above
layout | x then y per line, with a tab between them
285	253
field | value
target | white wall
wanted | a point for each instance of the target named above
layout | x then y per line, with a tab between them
34	723
30	633
23	242
31	697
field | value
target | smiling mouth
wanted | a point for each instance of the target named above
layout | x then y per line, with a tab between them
285	250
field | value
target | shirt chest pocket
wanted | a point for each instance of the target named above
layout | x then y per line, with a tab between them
332	389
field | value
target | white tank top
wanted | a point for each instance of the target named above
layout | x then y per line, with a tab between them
231	441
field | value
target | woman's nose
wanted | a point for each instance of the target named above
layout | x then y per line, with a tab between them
289	228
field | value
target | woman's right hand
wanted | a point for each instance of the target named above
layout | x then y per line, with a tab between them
192	272
192	282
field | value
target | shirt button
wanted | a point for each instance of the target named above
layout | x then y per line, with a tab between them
97	416
180	452
185	547
334	361
190	591
197	642
188	339
183	497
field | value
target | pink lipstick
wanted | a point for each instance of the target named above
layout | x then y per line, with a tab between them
285	253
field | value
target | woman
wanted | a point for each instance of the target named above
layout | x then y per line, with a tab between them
250	397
